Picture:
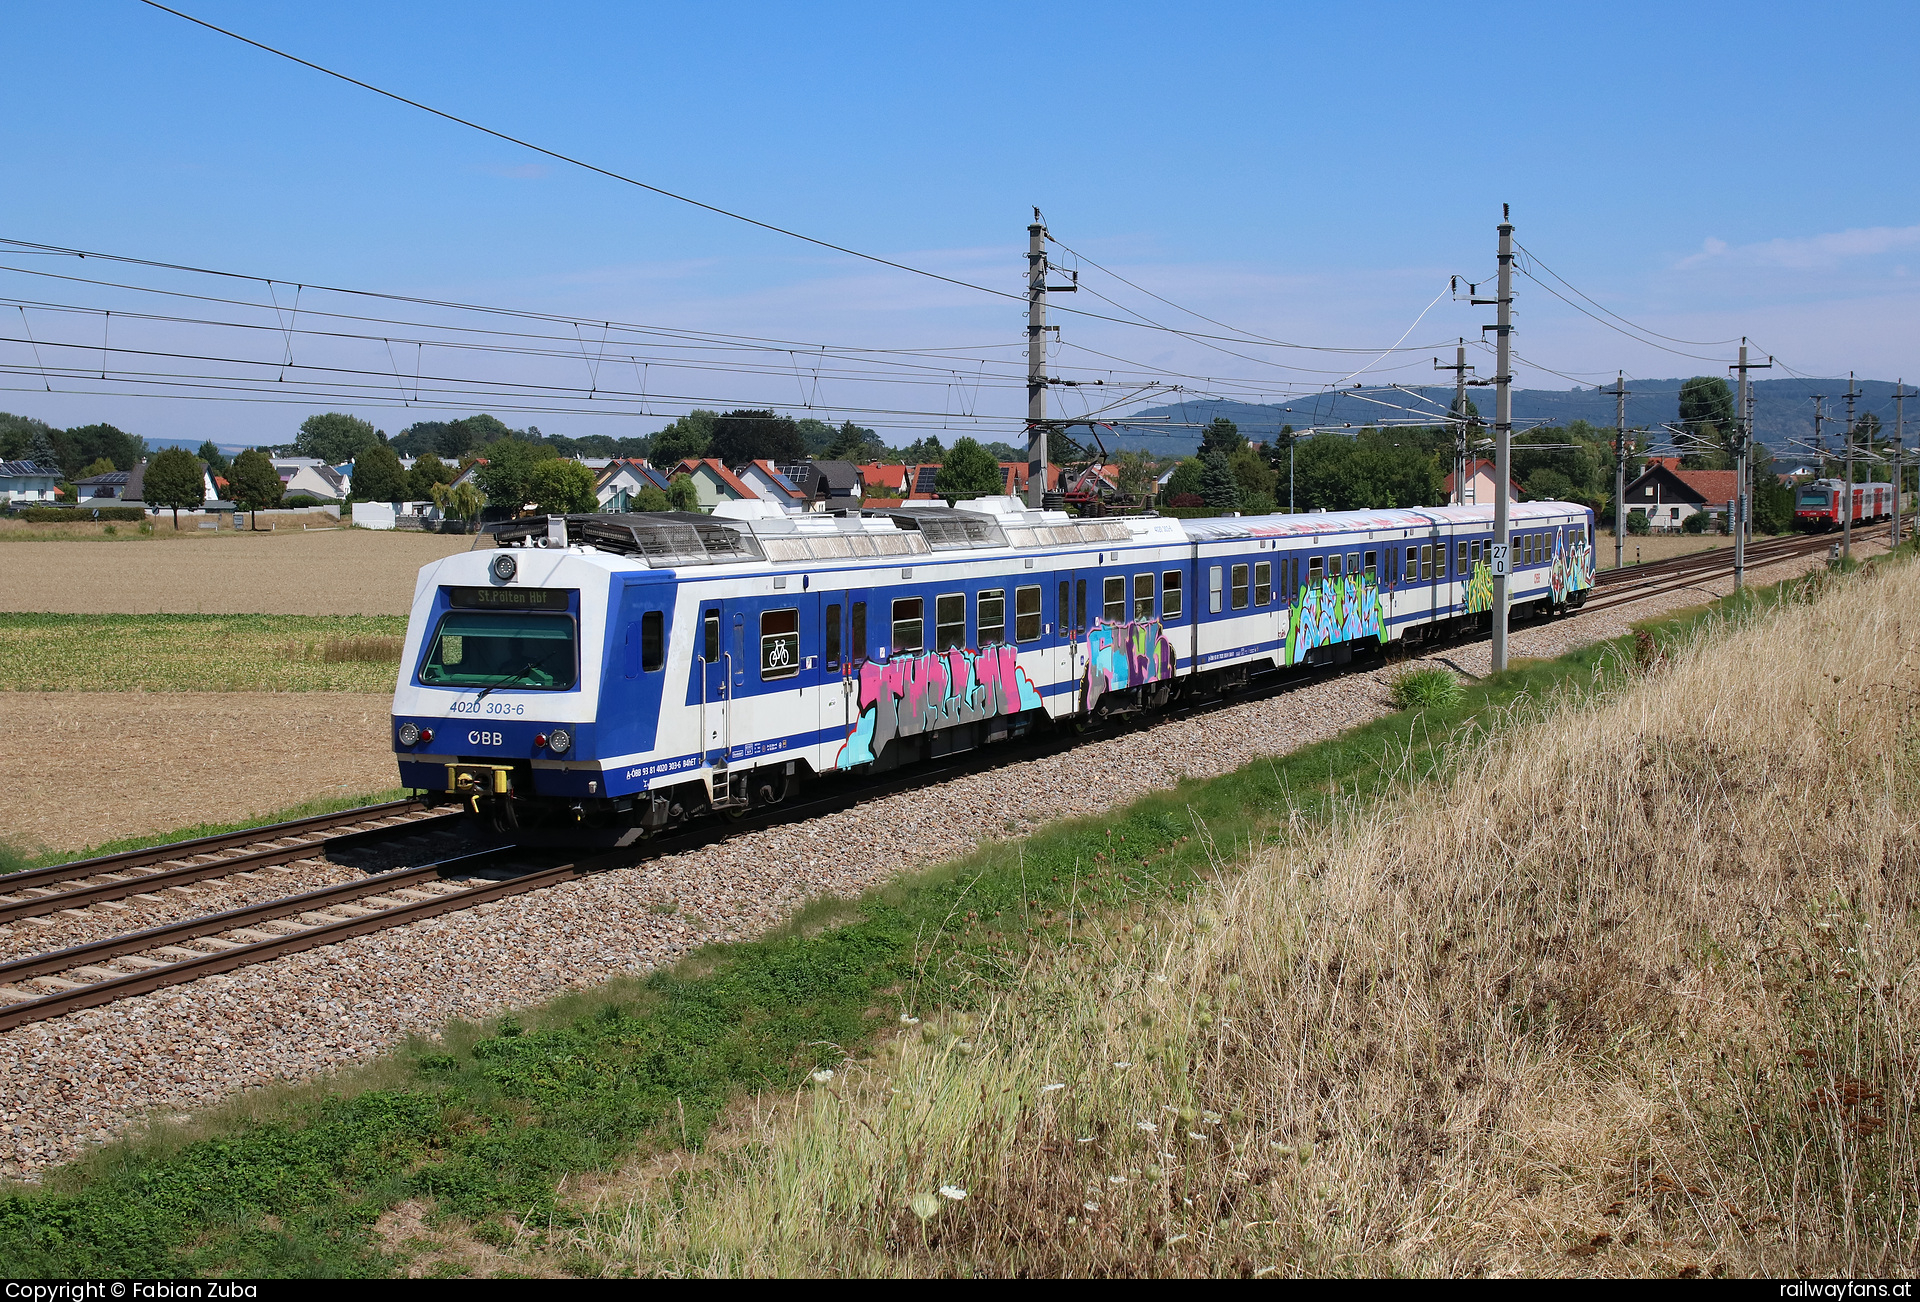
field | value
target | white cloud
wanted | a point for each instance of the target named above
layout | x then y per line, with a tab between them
1807	253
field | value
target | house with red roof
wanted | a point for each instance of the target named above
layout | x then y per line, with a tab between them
713	483
1667	495
1480	482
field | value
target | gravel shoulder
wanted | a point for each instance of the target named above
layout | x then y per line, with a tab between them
78	1080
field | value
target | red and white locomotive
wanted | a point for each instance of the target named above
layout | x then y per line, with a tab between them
1819	503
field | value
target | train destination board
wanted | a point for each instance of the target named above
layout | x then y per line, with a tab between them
509	598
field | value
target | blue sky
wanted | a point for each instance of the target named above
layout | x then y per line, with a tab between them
1309	173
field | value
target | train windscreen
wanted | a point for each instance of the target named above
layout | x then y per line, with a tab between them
520	650
1814	497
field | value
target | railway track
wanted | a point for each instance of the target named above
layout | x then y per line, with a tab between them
43	986
83	883
1622	587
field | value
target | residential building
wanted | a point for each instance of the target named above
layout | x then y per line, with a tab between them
713	483
27	481
1481	481
621	481
769	485
313	476
95	490
134	492
1667	495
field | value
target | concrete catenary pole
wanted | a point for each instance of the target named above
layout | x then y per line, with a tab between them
1459	369
1899	434
1741	454
1503	437
1619	469
1846	497
1036	362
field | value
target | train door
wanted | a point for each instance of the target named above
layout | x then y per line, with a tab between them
714	690
843	649
1070	595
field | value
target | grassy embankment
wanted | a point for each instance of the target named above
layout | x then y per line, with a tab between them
1421	1033
200	653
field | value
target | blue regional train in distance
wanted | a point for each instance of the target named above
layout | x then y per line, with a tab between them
634	671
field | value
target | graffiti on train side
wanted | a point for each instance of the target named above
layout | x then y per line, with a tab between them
1572	567
1334	610
1480	589
1128	654
909	695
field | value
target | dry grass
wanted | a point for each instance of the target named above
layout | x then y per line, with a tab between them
347	650
1631	993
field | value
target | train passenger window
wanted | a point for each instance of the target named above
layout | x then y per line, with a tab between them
1079	605
1060	611
1313	572
1170	606
1113	605
1239	587
779	644
1026	614
1143	596
1214	574
1333	565
908	627
949	621
710	643
990	616
1426	562
1473	552
1262	582
1440	561
831	640
1353	564
857	635
1459	559
653	641
1371	558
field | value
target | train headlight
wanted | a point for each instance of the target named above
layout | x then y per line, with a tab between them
409	734
504	566
560	741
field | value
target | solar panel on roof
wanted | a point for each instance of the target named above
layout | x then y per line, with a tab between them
923	479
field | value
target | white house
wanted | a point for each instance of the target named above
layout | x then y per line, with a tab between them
621	481
311	475
769	485
96	489
26	481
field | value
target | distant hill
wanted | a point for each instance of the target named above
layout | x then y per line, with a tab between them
1782	411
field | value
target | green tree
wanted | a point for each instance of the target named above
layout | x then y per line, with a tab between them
1706	412
175	479
815	435
1134	477
1218	488
755	435
216	460
85	443
651	499
457	501
682	495
427	471
1222	436
921	452
562	487
1255	478
690	436
969	470
336	438
377	476
100	467
1772	504
253	481
43	452
507	478
1185	480
855	443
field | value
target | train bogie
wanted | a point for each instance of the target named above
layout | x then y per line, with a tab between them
641	669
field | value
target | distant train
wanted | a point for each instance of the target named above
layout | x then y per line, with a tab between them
638	670
1818	506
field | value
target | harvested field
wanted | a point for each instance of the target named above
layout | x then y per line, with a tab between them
87	767
200	653
1659	547
340	572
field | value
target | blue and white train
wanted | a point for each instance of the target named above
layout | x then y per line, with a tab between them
638	670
